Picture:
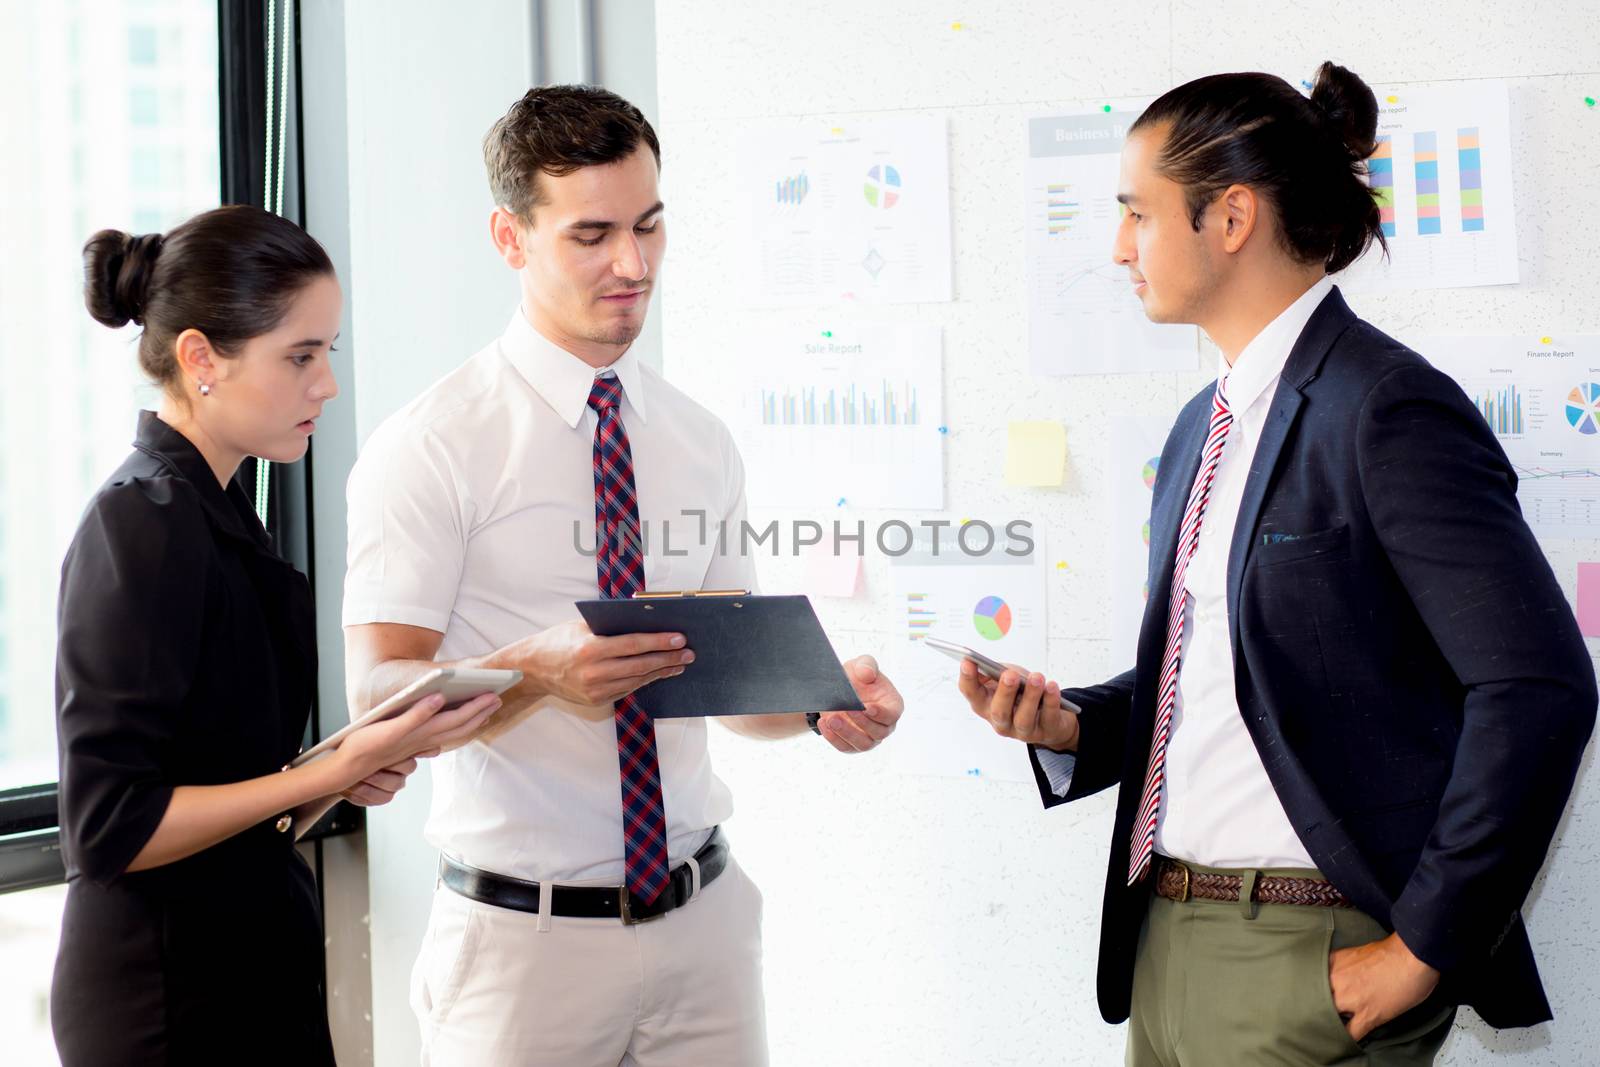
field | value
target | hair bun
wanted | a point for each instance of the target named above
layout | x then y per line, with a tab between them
117	270
1348	107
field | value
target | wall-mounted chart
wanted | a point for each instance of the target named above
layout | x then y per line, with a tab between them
1541	397
1136	443
994	604
1583	408
845	415
1442	178
1083	317
854	212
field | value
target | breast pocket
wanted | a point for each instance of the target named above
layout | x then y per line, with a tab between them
680	552
1275	547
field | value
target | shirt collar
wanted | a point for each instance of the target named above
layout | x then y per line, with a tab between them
231	510
1263	359
561	378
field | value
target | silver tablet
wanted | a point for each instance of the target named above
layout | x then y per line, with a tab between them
458	684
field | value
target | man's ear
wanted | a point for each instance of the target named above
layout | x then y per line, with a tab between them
504	230
1240	209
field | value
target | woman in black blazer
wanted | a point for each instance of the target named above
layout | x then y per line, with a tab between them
185	670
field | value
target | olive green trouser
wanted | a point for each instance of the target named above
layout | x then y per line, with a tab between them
1237	985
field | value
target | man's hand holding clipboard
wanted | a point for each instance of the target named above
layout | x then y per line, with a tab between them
755	657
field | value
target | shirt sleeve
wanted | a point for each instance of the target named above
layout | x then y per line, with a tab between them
131	622
407	526
1058	768
732	565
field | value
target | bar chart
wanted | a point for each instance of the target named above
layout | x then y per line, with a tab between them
883	403
1502	410
1441	177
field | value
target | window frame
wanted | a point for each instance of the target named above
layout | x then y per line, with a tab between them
30	845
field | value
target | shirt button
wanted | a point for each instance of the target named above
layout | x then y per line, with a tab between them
283	823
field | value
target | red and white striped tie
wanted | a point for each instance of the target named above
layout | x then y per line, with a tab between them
1144	825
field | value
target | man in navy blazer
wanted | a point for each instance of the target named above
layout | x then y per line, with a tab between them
1410	696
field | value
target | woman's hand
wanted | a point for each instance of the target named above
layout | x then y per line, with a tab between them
374	760
380	787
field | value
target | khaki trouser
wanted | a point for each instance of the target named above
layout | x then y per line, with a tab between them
493	989
1231	985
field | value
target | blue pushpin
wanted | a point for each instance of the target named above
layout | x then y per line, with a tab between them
841	502
944	429
975	773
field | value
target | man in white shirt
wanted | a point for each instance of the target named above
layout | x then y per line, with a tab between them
1360	697
549	468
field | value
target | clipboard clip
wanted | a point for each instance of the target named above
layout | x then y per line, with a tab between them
688	594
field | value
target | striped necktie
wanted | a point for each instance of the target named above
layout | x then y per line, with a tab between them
620	566
1144	825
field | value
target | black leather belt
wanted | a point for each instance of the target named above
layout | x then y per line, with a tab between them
586	902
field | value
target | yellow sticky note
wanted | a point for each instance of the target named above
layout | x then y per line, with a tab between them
1036	453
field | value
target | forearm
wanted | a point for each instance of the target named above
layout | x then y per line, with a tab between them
388	677
1514	767
1100	733
200	816
773	727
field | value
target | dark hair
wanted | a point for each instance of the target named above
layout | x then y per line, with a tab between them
230	273
1308	157
555	130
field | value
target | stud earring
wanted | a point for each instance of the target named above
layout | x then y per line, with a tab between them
205	390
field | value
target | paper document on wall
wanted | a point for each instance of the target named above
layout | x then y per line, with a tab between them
993	603
858	211
1083	316
1442	174
1541	397
1136	443
844	417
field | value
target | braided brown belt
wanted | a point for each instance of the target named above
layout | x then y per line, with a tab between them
1175	881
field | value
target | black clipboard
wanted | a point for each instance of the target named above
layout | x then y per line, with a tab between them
753	654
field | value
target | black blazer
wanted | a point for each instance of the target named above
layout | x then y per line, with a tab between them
186	657
1406	663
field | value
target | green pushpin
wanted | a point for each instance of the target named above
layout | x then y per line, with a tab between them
1106	108
827	333
1589	100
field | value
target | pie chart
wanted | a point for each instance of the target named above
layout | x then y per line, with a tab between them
992	617
1149	472
1583	408
883	186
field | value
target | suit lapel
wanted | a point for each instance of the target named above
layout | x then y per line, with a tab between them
1332	317
1167	517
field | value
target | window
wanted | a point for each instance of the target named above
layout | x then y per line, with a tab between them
142	45
109	138
123	114
120	159
30	926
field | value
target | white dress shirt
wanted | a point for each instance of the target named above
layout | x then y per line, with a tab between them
467	510
1218	807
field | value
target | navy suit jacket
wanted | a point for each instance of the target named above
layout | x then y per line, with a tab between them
1406	663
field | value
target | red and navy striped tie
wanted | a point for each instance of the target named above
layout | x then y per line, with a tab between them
1144	824
620	565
